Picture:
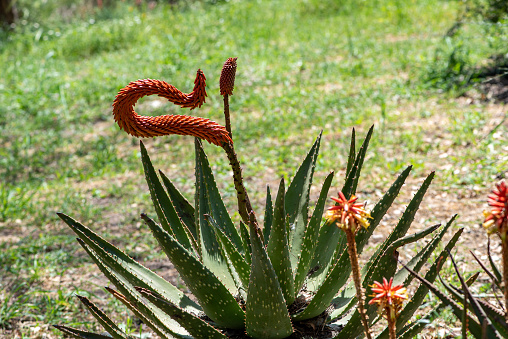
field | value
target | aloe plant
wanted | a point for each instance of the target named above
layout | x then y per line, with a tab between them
288	278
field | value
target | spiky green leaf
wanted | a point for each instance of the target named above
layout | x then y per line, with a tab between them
474	327
268	215
352	153
182	206
353	175
480	313
145	317
103	319
74	333
266	313
239	263
211	253
156	319
415	302
125	266
210	292
163	206
244	232
311	235
278	247
197	328
297	201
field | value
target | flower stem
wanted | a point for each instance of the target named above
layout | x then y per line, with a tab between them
244	205
392	329
353	256
505	275
226	115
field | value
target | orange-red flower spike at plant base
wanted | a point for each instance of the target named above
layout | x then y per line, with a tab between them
496	220
147	126
389	299
387	295
227	77
348	213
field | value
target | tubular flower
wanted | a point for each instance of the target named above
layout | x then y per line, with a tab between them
348	213
227	77
388	297
496	220
147	126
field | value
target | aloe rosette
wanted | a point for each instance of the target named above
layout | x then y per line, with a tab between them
289	278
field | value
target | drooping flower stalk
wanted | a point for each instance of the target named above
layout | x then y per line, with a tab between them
147	126
349	216
496	222
389	299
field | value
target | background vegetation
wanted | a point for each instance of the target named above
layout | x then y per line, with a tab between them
304	66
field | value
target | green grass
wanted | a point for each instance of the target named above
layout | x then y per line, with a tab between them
304	66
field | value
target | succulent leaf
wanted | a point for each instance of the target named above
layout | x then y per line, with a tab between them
266	313
402	276
477	308
103	319
353	175
155	318
268	215
217	209
196	327
141	315
415	302
74	333
278	247
241	267
182	206
352	153
297	201
127	267
331	241
210	292
495	270
211	253
311	235
244	232
406	219
474	327
411	330
380	209
163	206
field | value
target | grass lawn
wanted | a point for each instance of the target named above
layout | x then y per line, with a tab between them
303	66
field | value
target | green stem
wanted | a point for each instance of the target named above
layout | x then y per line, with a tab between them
353	256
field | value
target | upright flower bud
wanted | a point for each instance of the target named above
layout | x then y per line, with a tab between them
227	77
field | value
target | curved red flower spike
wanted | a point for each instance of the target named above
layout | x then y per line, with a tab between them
147	126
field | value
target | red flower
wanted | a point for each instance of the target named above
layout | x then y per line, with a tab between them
348	213
388	296
496	220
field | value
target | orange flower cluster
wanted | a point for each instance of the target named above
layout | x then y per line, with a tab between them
496	220
227	77
388	297
147	126
348	213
